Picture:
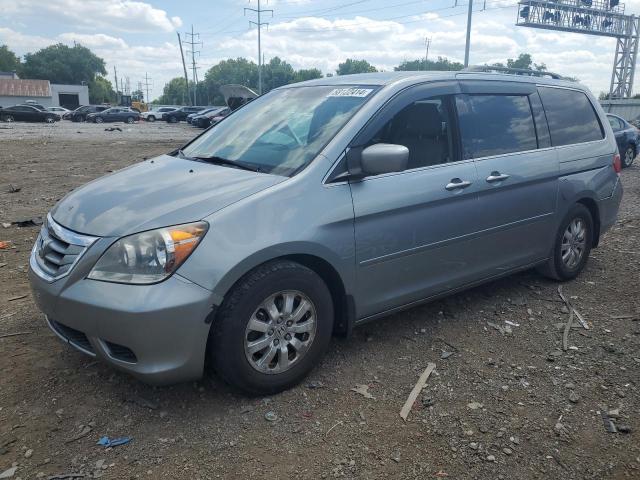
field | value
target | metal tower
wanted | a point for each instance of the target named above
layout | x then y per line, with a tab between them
604	18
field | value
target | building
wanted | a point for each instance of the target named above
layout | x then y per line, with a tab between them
628	108
14	91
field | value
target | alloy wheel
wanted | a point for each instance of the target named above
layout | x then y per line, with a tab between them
573	243
280	332
629	157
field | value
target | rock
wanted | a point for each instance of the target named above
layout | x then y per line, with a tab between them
270	416
491	458
474	405
473	446
514	440
574	397
315	384
552	355
615	413
483	429
569	385
507	451
28	453
9	472
564	309
445	354
624	428
396	458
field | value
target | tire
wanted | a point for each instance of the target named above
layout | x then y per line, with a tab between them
231	334
49	119
151	118
98	120
130	120
8	118
172	120
563	270
629	156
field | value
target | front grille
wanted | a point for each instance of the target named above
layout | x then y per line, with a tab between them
57	250
73	336
122	353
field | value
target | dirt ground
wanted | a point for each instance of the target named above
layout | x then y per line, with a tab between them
505	401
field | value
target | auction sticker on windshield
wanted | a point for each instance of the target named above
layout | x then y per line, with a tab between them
350	92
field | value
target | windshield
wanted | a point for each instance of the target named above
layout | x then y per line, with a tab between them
282	131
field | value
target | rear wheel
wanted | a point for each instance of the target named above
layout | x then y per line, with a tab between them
98	120
7	118
130	120
151	118
172	120
629	156
272	329
572	246
49	119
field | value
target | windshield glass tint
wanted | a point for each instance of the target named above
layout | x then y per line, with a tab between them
284	130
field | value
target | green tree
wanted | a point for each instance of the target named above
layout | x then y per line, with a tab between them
232	71
305	74
9	62
442	63
350	66
174	92
524	61
63	64
101	91
276	73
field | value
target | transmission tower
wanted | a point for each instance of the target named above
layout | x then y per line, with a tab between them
604	18
193	42
146	85
259	11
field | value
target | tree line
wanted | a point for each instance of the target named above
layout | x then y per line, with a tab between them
77	64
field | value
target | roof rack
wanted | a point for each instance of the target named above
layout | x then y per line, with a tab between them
514	71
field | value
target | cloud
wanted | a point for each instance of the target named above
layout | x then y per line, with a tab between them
122	15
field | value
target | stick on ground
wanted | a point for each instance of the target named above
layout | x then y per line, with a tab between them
422	381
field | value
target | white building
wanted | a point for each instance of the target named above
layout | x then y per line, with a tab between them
14	91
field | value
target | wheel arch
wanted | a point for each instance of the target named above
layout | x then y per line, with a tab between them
592	206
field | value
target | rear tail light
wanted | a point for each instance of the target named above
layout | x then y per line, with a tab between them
617	164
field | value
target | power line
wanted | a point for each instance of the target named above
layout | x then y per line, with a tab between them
193	42
259	11
146	85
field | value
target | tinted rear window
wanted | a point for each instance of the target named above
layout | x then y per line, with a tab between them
495	124
570	115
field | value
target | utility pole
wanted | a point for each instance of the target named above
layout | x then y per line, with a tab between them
427	42
193	53
184	66
468	44
259	11
146	84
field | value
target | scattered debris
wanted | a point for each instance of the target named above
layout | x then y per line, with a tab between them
337	423
15	334
115	442
13	189
474	405
491	458
5	245
631	316
6	225
17	297
271	416
67	476
420	384
315	384
574	397
113	129
445	354
502	330
572	309
609	425
363	390
142	402
86	430
9	473
28	222
624	428
513	324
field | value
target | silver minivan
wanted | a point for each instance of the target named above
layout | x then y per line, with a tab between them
318	207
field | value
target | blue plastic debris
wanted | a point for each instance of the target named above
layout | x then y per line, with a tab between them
108	442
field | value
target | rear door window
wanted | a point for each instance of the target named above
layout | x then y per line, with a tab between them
571	116
495	124
615	123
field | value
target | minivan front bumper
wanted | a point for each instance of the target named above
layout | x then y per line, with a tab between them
158	333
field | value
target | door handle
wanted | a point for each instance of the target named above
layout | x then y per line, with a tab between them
497	177
456	184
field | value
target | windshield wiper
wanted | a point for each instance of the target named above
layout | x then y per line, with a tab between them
226	161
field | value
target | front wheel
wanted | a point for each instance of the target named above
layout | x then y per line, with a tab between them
98	120
572	246
130	120
151	118
49	119
629	156
172	120
7	118
272	329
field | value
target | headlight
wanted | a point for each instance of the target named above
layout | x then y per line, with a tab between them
148	257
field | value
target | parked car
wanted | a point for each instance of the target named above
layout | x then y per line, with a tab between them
180	114
33	103
204	120
321	206
27	113
153	115
59	110
114	114
627	137
80	113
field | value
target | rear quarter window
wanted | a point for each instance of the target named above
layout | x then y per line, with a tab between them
571	116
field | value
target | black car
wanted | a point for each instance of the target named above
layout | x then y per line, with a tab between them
627	137
27	113
181	114
114	114
210	118
80	113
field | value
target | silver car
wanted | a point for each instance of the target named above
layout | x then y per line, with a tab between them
321	206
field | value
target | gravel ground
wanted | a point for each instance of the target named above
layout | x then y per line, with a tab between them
504	401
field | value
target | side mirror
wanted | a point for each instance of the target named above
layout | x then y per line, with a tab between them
384	158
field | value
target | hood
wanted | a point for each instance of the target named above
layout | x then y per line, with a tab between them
237	95
156	193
